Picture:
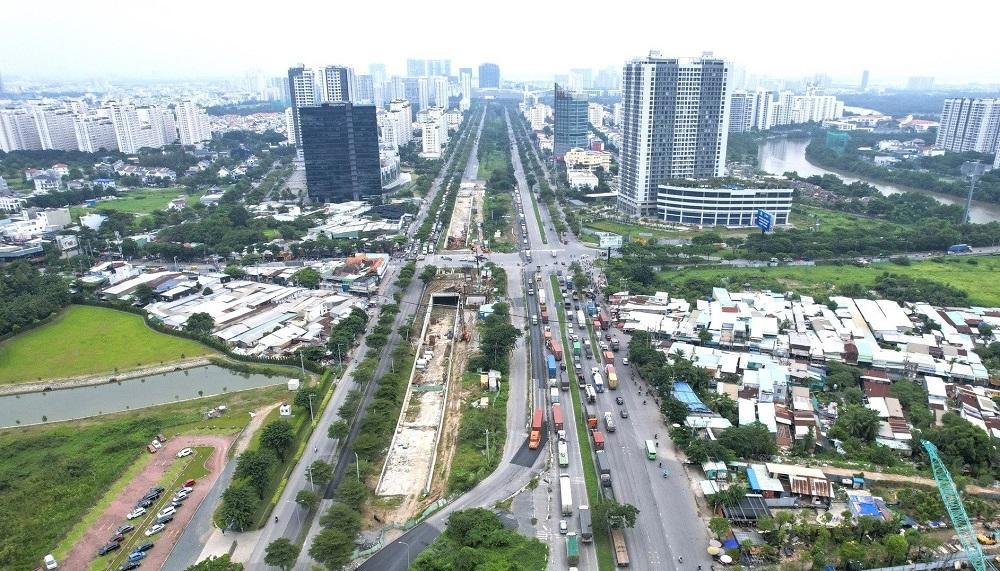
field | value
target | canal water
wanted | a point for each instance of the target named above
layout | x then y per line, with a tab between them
164	388
778	156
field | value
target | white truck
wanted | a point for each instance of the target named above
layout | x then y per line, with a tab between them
554	395
609	422
565	494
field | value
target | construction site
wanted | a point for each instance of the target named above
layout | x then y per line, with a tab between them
467	216
416	468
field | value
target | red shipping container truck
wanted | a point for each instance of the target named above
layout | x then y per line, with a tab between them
557	417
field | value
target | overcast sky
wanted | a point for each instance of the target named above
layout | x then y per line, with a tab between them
954	41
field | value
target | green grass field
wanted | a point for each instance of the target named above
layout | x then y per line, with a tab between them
139	201
58	477
89	340
978	279
637	232
492	161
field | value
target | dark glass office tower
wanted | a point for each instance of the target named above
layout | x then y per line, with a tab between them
340	147
571	124
489	76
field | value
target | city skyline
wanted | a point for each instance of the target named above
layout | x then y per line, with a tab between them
193	51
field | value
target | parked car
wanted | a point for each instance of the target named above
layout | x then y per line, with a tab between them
125	528
186	489
145	546
179	496
108	548
137	556
165	519
185	452
169	510
189	484
116	538
129	565
137	512
156	444
144	503
154	529
151	449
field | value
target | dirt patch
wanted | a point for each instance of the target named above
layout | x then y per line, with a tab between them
246	436
458	396
85	551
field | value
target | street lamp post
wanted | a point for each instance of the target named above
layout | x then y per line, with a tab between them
357	466
312	420
407	552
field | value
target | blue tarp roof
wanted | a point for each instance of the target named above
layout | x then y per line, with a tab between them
684	393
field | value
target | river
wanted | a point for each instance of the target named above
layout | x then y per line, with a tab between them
778	156
80	402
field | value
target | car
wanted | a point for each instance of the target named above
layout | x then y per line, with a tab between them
189	484
563	526
116	538
154	529
185	452
137	512
108	548
179	497
625	361
165	519
156	444
619	400
594	371
145	546
170	510
144	503
125	528
623	413
156	490
186	489
137	556
129	565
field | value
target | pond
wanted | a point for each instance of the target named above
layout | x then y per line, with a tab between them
164	388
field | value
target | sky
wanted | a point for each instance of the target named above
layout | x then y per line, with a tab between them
955	42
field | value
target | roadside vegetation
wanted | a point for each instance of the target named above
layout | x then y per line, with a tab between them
53	476
90	340
473	461
476	539
495	168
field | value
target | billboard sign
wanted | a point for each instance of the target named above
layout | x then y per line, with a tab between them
764	220
608	240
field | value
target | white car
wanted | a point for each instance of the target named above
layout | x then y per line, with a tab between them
186	490
169	510
594	371
155	529
180	496
156	444
137	512
185	452
625	361
563	527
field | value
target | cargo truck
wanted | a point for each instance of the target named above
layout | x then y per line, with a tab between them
545	315
598	437
591	309
581	319
577	348
602	317
598	383
557	417
563	450
564	383
590	393
609	422
553	368
572	549
589	417
554	395
565	494
597	326
586	530
621	552
612	377
557	349
615	344
603	467
609	357
535	437
541	297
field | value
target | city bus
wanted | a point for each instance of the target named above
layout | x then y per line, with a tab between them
650	450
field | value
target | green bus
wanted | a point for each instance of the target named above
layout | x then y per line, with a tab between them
650	450
563	454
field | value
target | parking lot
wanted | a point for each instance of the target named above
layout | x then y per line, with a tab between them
164	470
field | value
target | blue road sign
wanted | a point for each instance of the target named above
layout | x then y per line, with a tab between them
764	221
